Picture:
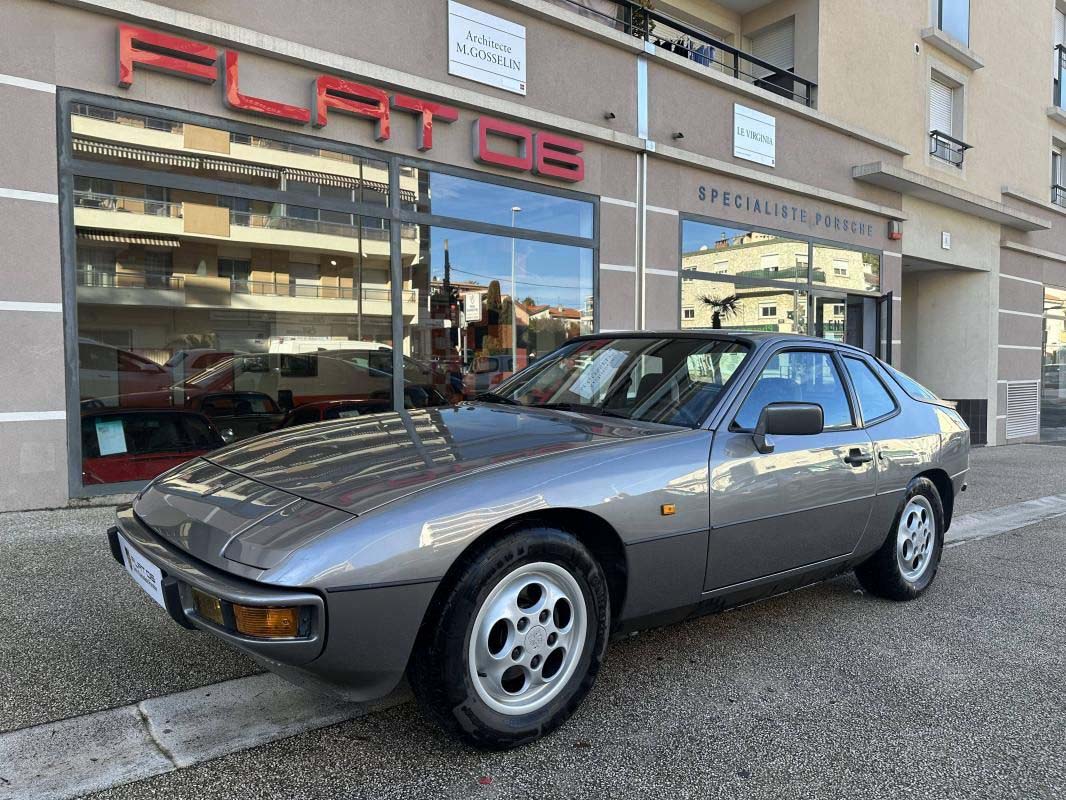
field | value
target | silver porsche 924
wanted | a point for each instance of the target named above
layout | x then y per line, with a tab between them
489	550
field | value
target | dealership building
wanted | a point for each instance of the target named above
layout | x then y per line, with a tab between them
233	210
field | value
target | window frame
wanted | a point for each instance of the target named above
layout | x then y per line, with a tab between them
71	165
897	408
753	378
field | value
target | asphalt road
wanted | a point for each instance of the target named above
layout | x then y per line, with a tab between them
822	693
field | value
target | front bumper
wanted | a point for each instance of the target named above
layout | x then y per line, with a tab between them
357	648
182	573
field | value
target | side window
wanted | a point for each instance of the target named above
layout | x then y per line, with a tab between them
798	376
874	399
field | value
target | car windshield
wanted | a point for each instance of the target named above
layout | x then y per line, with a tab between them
675	381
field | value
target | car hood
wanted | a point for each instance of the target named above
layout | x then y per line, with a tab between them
358	464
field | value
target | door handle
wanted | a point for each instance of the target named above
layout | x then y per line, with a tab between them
856	457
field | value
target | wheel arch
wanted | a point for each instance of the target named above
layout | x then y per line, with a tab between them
592	530
942	481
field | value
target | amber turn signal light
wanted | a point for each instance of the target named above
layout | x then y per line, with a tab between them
208	607
267	623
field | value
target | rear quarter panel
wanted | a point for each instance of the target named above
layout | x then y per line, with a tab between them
920	438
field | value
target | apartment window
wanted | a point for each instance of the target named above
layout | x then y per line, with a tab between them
944	106
838	309
1058	183
840	268
770	262
236	269
953	18
1059	55
688	313
767	310
721	267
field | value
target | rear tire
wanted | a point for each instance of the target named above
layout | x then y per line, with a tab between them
516	642
907	561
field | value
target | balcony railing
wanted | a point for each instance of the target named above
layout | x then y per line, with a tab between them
125	118
688	42
250	220
1059	74
128	280
103	279
129	205
269	288
1058	195
947	148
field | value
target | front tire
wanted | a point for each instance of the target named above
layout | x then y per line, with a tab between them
907	562
516	642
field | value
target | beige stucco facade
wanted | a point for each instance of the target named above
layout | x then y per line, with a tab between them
657	132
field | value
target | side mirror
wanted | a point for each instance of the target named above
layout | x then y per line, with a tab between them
786	419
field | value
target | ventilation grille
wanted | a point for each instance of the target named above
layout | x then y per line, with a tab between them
1023	409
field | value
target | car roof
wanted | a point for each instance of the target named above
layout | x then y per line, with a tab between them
751	337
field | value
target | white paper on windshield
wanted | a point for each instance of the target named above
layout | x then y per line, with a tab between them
110	436
597	375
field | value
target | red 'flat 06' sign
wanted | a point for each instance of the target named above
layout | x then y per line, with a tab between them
498	142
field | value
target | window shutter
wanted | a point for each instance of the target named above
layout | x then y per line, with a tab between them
776	45
1023	409
1060	27
941	102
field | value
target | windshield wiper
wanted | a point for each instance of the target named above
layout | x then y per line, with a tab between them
582	408
489	397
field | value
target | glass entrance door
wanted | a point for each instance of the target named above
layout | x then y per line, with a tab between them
829	316
847	318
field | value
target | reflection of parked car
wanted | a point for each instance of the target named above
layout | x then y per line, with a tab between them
117	377
1054	376
491	549
326	410
186	363
239	415
295	379
119	446
487	372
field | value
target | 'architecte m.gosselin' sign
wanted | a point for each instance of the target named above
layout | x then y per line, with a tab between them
485	48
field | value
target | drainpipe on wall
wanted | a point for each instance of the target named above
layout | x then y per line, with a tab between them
640	309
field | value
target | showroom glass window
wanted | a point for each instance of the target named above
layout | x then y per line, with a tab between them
202	306
493	303
741	278
1053	372
226	275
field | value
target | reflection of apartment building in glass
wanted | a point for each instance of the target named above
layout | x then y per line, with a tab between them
752	280
159	266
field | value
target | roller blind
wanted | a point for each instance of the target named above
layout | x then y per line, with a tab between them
941	101
1060	27
776	45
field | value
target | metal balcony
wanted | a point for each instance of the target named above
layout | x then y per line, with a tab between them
689	42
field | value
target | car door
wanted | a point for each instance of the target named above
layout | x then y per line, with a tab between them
807	501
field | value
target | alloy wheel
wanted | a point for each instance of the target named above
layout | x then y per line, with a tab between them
527	638
915	539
